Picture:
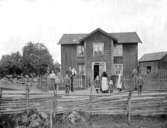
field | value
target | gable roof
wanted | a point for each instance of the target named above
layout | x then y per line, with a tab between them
152	56
98	30
123	37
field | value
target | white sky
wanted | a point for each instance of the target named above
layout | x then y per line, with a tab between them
46	20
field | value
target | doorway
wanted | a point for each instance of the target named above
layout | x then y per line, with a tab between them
98	68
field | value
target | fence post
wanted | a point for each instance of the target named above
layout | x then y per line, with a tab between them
0	92
129	106
27	96
51	112
90	96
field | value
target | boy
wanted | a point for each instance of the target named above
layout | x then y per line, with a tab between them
67	83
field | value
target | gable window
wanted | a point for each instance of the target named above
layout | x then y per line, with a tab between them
80	50
98	48
118	60
81	69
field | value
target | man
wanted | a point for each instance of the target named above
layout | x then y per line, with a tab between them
72	73
140	84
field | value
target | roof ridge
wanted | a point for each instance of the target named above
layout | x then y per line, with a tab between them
155	52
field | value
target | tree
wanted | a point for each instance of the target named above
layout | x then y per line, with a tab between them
36	59
57	67
11	64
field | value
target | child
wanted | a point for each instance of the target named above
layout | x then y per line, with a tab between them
67	83
97	84
110	85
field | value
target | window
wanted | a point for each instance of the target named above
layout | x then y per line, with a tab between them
81	69
118	50
148	69
98	49
118	68
118	60
80	50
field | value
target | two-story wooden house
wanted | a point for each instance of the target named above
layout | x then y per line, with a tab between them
93	53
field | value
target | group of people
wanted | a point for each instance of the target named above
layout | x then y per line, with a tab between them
67	81
105	84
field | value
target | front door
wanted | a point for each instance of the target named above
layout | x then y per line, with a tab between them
98	68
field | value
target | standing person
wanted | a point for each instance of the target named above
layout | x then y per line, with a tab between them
52	77
57	81
140	83
104	83
111	85
73	73
71	77
67	83
134	79
119	82
97	84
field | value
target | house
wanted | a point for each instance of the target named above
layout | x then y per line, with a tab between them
153	62
98	51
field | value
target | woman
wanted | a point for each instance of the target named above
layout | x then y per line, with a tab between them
104	83
119	82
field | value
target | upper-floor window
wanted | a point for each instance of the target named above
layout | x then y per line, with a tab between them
118	50
118	59
98	48
80	50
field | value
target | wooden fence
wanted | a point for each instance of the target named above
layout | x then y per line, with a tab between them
152	81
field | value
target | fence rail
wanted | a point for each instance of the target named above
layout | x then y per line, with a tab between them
150	103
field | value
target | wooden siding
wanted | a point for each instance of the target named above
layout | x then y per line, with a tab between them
153	64
106	57
68	57
130	54
163	63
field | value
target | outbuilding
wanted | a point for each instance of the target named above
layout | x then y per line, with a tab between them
153	62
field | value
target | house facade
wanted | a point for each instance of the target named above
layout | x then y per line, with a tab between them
93	53
153	62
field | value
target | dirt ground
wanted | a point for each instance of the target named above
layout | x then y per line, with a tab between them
136	122
119	121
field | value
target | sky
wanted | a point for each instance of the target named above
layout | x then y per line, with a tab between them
45	21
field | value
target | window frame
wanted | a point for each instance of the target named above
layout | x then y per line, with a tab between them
118	61
79	47
95	44
83	69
